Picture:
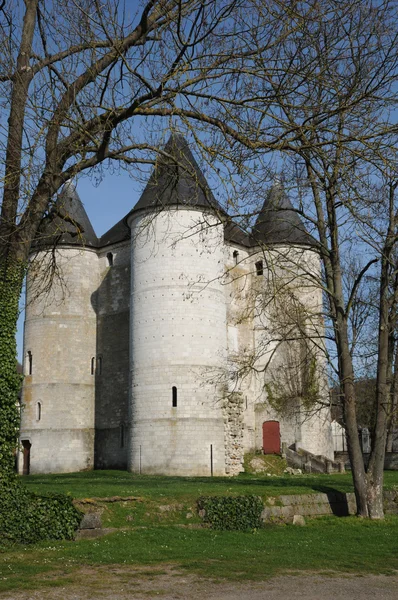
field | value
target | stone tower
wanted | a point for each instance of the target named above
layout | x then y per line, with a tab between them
57	421
293	269
178	321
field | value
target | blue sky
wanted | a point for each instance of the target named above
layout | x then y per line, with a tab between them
105	205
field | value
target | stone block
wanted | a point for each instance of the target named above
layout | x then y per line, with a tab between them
91	521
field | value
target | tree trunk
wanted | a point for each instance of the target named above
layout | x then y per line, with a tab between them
383	387
393	406
350	418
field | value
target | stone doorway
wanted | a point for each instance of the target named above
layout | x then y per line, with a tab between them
26	445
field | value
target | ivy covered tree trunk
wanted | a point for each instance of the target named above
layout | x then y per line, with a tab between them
11	278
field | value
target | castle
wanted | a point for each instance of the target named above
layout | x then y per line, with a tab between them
168	344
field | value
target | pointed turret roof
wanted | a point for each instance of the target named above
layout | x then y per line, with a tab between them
279	223
67	222
177	180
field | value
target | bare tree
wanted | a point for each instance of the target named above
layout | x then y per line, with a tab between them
341	151
87	83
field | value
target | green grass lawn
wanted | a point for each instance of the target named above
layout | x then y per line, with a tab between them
121	483
159	528
327	545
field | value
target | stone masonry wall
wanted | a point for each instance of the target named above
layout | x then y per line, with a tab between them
113	340
283	508
234	427
58	396
178	340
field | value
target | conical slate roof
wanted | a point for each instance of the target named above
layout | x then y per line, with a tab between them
67	222
177	180
279	223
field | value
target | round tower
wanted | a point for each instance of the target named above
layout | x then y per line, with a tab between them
289	330
60	363
178	322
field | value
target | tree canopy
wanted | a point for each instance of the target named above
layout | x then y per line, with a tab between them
260	86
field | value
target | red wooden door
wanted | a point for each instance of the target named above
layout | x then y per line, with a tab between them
271	437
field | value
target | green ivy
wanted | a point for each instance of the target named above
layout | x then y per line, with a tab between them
27	518
239	513
11	278
24	516
295	384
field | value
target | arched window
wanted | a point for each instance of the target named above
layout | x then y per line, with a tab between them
38	411
259	267
174	396
109	258
235	255
96	365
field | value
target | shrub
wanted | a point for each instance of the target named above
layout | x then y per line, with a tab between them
241	513
26	517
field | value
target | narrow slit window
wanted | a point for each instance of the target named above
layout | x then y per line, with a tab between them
259	267
38	411
30	363
174	396
99	365
236	256
93	365
109	258
122	435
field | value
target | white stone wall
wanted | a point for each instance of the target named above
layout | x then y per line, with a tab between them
178	338
60	333
238	297
253	340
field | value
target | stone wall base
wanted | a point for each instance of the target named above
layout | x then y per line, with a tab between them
283	508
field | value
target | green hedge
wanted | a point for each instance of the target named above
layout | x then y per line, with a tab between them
27	518
241	513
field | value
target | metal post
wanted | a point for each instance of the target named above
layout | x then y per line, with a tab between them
140	459
211	459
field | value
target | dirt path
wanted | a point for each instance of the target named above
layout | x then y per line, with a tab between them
170	584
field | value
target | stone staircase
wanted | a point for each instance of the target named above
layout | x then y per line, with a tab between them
298	458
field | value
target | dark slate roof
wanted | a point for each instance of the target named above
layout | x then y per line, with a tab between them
177	180
279	223
121	232
67	222
234	234
118	233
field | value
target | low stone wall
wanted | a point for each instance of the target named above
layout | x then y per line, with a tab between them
391	502
390	461
284	508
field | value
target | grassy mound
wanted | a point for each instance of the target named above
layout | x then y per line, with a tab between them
264	463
